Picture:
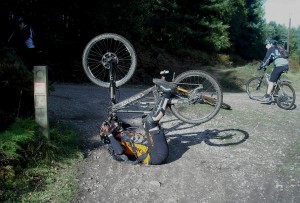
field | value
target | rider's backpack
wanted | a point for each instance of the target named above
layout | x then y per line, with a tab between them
136	148
135	145
281	52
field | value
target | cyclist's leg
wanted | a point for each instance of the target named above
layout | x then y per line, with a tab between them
275	75
158	146
151	121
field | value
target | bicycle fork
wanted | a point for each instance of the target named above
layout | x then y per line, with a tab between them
112	81
260	81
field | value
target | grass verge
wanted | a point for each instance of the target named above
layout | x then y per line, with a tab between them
234	79
35	169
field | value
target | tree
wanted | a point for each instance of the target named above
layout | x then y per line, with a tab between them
295	44
248	28
277	32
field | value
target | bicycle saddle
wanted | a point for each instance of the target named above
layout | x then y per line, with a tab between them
164	85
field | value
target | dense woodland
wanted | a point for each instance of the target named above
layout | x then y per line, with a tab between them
210	26
208	32
178	27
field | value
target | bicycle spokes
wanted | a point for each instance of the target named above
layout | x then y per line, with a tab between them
286	95
256	88
100	51
190	107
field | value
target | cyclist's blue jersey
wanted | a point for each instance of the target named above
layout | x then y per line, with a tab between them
272	55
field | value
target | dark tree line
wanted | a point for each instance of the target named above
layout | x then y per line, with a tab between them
210	26
181	28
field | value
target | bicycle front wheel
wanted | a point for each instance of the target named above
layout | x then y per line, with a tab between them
190	108
285	95
256	88
103	48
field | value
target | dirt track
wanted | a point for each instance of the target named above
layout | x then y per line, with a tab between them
248	154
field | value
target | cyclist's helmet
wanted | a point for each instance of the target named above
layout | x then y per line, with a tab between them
271	41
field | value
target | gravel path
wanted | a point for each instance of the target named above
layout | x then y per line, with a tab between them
248	154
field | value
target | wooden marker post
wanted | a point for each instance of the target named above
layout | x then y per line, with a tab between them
41	98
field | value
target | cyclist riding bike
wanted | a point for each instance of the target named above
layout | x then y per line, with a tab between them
153	149
281	65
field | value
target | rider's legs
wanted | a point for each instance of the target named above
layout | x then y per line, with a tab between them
270	87
157	143
275	75
151	121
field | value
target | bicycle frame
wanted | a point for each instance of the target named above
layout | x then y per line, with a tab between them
276	84
109	61
120	107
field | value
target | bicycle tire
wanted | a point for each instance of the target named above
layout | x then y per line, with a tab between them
256	88
104	47
286	96
200	83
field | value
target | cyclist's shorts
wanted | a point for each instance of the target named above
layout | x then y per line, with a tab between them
276	73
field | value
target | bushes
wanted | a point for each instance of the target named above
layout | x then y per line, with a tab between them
294	66
30	164
16	88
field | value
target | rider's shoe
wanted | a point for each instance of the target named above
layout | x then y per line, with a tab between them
266	99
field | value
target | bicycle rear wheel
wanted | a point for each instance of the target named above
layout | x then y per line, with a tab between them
190	108
103	48
286	95
256	88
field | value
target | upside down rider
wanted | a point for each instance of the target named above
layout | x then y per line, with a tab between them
151	148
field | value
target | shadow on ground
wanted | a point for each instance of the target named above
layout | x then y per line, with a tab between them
179	144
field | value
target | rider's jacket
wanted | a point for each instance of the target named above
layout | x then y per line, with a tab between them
23	39
273	55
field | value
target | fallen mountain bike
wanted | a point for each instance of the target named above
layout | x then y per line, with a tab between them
283	92
109	60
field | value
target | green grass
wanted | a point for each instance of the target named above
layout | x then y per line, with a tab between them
233	79
35	169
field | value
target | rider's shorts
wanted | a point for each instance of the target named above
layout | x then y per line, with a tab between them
277	71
